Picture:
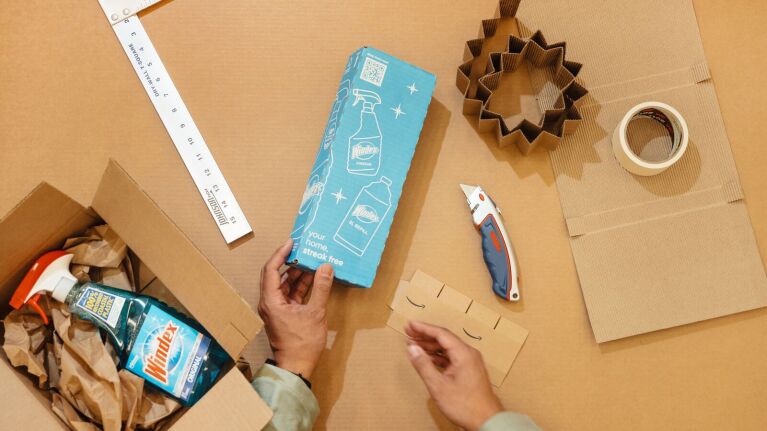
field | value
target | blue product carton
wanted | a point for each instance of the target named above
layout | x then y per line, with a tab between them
355	185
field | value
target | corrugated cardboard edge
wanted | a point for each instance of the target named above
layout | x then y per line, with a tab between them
175	260
434	302
563	119
231	397
55	216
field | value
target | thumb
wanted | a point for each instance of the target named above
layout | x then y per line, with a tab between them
423	365
323	281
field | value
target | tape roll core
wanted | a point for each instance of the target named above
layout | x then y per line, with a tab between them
669	118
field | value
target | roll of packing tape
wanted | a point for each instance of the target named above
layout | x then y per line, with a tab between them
669	118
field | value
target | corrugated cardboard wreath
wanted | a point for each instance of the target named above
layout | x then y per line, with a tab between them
561	119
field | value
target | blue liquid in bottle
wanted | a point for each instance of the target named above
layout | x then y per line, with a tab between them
171	351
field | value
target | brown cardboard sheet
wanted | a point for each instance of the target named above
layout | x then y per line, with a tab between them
661	251
427	299
229	62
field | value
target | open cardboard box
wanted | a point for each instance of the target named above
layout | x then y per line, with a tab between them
46	217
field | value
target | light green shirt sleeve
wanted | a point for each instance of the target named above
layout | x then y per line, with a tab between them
293	403
507	421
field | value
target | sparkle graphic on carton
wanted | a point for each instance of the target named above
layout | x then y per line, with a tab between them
164	353
372	140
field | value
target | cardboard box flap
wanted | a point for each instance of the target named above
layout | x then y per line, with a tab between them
429	300
659	251
232	404
175	260
37	224
609	40
25	403
666	272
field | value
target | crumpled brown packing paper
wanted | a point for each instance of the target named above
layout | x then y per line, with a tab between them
72	359
69	415
25	342
99	246
101	256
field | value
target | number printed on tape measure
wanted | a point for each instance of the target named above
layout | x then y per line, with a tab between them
183	131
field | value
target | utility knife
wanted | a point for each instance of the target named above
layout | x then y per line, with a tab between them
496	246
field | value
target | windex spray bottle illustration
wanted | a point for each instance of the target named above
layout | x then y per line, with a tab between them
318	178
365	144
365	216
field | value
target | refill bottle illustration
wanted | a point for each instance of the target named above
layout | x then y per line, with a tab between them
365	144
318	178
365	216
154	341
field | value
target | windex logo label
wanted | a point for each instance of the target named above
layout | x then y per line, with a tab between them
158	362
364	151
312	190
365	214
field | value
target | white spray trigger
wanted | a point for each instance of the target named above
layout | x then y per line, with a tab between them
55	279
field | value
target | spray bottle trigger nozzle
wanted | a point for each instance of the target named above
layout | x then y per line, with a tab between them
36	306
44	276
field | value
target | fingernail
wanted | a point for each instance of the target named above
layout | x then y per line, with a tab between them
414	351
326	270
289	241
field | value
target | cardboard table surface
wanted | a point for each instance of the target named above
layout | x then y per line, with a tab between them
259	79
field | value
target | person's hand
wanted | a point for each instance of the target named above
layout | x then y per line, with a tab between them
297	328
454	374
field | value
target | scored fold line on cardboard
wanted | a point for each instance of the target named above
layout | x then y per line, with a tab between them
427	299
661	251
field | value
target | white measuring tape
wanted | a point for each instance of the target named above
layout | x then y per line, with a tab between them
175	117
669	118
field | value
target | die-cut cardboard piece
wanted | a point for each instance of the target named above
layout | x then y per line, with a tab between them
560	115
429	300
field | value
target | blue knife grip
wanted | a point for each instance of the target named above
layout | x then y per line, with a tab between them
496	256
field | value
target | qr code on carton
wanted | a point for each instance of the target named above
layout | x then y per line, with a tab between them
373	71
